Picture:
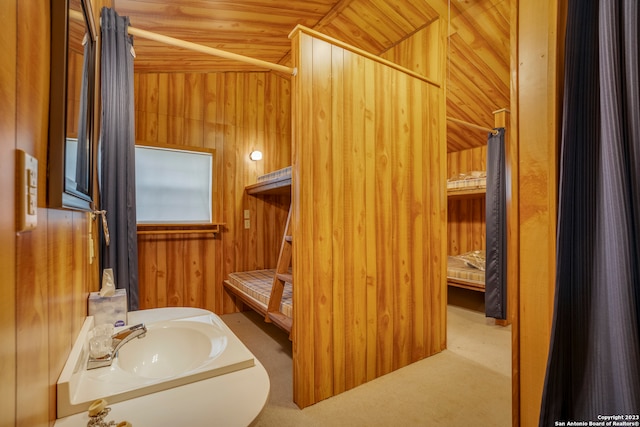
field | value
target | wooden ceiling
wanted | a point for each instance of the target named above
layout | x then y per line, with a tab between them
478	49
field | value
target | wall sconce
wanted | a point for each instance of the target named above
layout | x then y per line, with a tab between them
255	155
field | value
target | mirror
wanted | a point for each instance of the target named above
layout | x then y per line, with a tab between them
71	105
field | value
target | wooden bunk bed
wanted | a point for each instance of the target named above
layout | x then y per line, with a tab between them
467	270
269	291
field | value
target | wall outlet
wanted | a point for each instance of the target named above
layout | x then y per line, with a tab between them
26	192
247	224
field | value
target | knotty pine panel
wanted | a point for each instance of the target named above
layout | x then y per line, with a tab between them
465	161
369	217
233	113
54	277
53	274
32	326
170	282
415	52
466	225
8	133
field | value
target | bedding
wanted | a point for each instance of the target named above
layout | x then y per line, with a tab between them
467	270
278	174
466	181
474	259
258	284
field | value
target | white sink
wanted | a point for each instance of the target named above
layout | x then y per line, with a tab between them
181	346
171	348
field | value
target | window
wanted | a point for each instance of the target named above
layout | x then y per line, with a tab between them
174	185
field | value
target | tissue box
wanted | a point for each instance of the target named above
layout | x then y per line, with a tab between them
111	310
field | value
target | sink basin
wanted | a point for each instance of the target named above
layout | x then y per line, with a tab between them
161	353
181	346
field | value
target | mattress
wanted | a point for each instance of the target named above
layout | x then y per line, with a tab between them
278	174
475	179
458	269
258	284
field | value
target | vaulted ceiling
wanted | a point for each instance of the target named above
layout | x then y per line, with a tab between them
478	52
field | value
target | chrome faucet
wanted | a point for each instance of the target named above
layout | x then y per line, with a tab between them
117	341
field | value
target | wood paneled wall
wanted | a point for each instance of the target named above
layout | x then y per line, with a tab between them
369	166
46	274
465	161
466	229
8	141
233	113
466	216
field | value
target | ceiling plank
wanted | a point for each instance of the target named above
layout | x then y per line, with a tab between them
478	55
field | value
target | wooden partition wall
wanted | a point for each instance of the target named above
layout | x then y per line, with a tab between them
369	231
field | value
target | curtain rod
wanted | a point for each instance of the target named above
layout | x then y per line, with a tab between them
74	14
472	125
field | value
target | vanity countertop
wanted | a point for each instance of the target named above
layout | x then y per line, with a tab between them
233	399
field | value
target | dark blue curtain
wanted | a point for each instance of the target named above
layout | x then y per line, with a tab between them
594	360
495	295
117	151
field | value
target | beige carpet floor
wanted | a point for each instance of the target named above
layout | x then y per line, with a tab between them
468	384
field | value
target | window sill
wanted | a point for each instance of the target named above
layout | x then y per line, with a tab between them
188	228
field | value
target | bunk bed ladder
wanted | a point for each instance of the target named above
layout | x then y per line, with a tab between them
283	275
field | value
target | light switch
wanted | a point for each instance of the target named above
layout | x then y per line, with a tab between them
32	177
246	214
247	224
32	201
26	191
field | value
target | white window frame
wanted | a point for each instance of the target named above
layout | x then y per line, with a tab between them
153	206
